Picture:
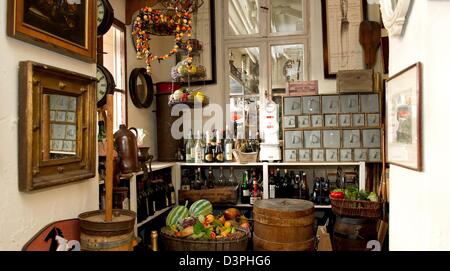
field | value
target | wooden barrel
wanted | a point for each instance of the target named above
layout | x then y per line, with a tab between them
116	235
283	225
353	233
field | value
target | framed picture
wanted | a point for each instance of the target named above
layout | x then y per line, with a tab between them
404	118
340	30
67	27
205	32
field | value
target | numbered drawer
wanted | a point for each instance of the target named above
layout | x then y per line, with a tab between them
313	139
290	155
292	106
371	138
331	155
373	120
330	104
318	155
345	155
290	122
303	122
349	104
304	155
317	120
311	105
293	139
345	120
358	120
351	138
361	155
331	138
374	155
370	103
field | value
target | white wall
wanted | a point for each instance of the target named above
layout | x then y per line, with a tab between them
23	214
419	217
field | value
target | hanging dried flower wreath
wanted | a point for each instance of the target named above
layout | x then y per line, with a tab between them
150	21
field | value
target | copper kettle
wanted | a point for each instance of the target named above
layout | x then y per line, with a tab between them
126	144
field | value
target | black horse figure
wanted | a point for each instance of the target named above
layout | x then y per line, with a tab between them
52	235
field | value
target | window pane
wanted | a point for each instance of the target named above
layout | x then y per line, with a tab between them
286	16
244	116
244	70
243	17
287	65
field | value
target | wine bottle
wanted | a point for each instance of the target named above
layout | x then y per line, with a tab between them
211	179
198	152
245	192
198	182
209	155
228	147
221	180
185	183
296	187
232	180
271	185
190	149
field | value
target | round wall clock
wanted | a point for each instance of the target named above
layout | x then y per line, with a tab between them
105	17
141	88
105	85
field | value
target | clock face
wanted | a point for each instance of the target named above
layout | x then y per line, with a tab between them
102	85
100	12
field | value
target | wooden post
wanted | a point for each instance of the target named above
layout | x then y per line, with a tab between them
109	157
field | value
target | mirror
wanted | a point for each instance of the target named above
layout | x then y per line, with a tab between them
287	65
57	136
243	17
394	13
141	88
244	70
287	16
63	126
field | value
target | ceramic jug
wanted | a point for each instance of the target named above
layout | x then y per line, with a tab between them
126	144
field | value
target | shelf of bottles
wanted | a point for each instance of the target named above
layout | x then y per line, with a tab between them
155	195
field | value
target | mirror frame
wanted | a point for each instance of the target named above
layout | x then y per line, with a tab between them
36	171
133	88
394	18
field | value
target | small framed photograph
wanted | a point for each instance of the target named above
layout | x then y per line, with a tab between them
71	117
293	139
374	155
346	155
330	104
318	155
289	122
303	122
292	106
304	155
290	155
351	139
371	138
331	138
358	120
331	155
345	120
370	103
349	103
360	155
313	139
373	120
311	105
331	121
60	116
317	120
404	118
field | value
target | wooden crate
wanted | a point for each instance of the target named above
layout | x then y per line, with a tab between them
219	195
355	81
302	88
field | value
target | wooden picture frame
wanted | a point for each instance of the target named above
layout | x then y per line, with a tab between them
332	16
33	21
55	150
404	118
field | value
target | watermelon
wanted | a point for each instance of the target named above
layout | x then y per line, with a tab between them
177	213
201	207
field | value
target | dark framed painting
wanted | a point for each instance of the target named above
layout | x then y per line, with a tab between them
340	31
204	30
66	26
404	118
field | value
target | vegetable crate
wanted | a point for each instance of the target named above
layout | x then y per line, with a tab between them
356	208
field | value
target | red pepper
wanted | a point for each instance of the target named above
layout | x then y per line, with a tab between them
337	195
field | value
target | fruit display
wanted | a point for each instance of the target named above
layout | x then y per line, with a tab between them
184	72
352	193
202	224
187	96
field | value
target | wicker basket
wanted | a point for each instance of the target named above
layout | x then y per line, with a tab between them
356	208
245	157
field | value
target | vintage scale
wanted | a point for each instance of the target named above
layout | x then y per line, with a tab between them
269	127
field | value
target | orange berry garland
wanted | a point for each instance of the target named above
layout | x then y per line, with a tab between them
155	21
